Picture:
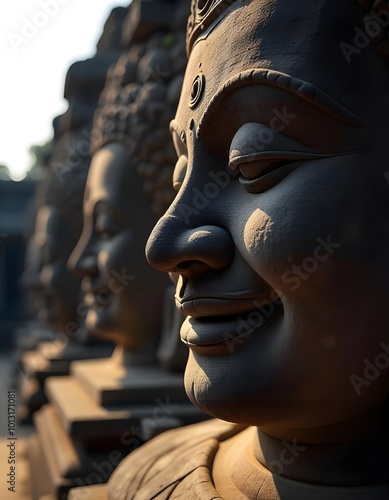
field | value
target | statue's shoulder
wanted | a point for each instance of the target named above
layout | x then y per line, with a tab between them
174	465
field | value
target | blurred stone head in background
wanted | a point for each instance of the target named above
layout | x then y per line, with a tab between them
129	186
60	195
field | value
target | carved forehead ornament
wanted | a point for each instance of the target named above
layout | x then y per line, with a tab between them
203	14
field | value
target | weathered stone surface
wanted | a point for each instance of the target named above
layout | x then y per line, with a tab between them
145	18
267	112
89	493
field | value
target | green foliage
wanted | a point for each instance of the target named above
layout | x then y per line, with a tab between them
169	40
40	154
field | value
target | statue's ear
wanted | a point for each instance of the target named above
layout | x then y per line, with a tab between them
377	24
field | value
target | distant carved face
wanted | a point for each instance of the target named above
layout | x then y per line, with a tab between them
30	279
123	293
279	231
55	237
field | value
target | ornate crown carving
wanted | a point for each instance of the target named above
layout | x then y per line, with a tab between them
203	14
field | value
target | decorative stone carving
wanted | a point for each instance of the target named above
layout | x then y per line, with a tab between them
59	225
282	269
112	406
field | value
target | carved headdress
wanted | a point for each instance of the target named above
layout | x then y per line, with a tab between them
206	12
136	108
203	14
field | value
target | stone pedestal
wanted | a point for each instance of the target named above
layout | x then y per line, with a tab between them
102	412
110	382
30	335
50	359
54	358
100	402
89	493
61	462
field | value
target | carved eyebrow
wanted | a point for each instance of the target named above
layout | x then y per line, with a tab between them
302	89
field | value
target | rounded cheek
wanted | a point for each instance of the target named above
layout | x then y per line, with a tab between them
257	231
288	235
120	271
270	246
110	261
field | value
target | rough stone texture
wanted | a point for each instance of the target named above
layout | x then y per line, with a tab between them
316	429
60	194
145	18
136	108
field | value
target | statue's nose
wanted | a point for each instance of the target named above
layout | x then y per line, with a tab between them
172	247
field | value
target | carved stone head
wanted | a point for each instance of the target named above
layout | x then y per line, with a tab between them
57	229
60	196
129	185
279	231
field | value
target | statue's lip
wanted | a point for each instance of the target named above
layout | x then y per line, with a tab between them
227	305
225	334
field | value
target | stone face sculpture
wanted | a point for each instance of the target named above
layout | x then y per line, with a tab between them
30	279
59	203
129	185
119	304
130	397
279	235
58	227
60	199
59	224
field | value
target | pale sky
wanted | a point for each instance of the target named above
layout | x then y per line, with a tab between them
33	73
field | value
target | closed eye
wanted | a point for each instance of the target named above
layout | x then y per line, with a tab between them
253	170
267	177
261	170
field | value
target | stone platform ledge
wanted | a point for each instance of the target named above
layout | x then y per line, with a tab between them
89	493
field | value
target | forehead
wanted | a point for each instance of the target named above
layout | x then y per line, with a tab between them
111	174
113	179
301	39
50	225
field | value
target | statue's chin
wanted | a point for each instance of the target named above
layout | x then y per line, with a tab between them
208	395
209	402
223	392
